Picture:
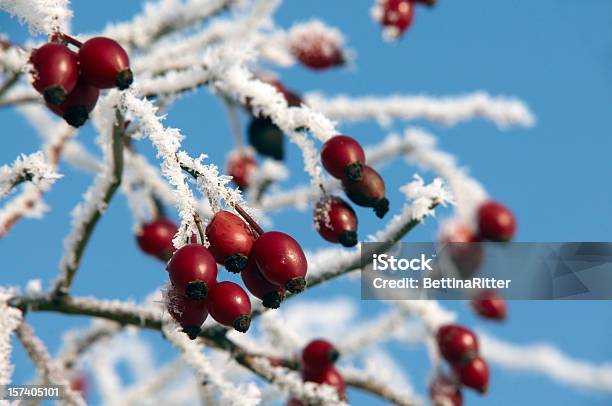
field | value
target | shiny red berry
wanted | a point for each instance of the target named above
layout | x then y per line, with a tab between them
316	47
55	71
231	240
271	294
329	376
444	391
457	343
241	167
336	221
105	64
368	192
193	271
266	138
343	158
281	260
489	304
495	222
319	355
77	105
230	306
474	374
189	313
395	16
155	238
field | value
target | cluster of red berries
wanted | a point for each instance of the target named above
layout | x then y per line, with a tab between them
70	81
318	359
397	15
265	136
270	263
459	347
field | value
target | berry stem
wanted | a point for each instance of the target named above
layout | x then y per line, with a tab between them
234	121
71	40
249	219
198	222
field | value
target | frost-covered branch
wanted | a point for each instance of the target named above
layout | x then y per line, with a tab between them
10	319
361	380
87	214
42	16
33	168
501	110
48	371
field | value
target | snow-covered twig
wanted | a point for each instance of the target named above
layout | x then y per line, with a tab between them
361	380
49	372
42	16
10	318
547	360
193	356
33	168
87	214
503	111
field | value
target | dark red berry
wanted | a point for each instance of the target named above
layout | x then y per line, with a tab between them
79	382
155	238
444	391
457	343
281	260
319	355
189	313
193	271
368	192
271	295
395	16
231	240
105	64
462	245
241	168
489	304
55	71
329	376
316	47
266	138
230	306
495	222
474	374
77	105
343	158
336	221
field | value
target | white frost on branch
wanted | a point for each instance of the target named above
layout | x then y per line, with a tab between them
12	58
33	168
10	318
229	393
42	16
547	360
291	382
501	110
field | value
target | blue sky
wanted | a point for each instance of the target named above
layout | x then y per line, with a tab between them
554	54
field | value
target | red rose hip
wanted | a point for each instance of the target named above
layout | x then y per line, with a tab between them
193	271
336	221
329	376
231	240
395	16
496	222
77	105
271	294
230	306
474	374
316	46
55	71
155	238
189	313
457	343
343	158
319	355
281	260
241	167
368	192
105	64
489	304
